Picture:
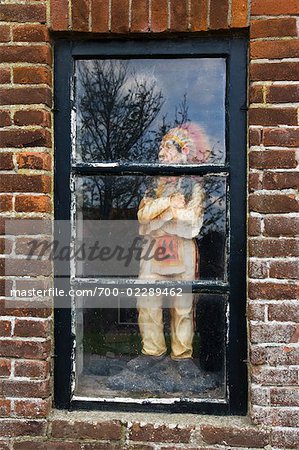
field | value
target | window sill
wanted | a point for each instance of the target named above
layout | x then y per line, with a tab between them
129	428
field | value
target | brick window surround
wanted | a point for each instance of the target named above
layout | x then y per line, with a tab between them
27	418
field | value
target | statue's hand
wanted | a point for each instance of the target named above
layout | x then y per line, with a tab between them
177	201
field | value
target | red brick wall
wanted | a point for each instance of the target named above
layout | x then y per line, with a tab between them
26	149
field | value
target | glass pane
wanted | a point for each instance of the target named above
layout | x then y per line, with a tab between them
173	227
110	341
170	111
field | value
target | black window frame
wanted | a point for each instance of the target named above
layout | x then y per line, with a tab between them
234	48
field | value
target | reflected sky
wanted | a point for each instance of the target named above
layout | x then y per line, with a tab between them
202	80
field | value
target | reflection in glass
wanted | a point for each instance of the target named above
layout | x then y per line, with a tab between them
124	109
185	215
110	338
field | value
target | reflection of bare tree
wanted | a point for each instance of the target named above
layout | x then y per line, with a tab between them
215	205
115	111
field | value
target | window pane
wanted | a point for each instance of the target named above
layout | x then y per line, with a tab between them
151	110
109	340
184	217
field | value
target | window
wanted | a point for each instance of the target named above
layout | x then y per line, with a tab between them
151	179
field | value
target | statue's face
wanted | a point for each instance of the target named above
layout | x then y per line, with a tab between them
169	153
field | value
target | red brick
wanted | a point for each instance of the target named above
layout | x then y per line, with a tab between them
159	17
273	376
54	445
281	180
142	447
5	408
5	203
273	159
219	14
120	16
239	13
256	312
271	332
4	33
199	15
5	328
59	15
34	160
280	71
5	286
284	269
24	267
5	246
288	312
4	76
25	183
22	13
273	28
31	369
100	16
6	162
281	226
162	433
5	367
30	33
27	226
275	49
284	137
31	328
28	389
32	409
259	395
256	94
248	437
87	430
273	116
280	203
5	119
23	308
282	94
32	117
263	248
254	182
140	16
286	438
26	96
80	15
254	136
179	15
254	226
273	291
275	416
258	269
37	203
274	356
274	8
32	75
13	428
17	53
25	138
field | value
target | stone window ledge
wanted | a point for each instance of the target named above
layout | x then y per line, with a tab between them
151	428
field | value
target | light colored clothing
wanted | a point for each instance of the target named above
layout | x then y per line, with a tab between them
175	229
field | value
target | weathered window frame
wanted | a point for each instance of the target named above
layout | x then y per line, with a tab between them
234	49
